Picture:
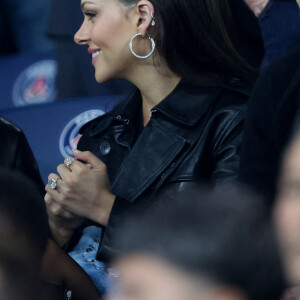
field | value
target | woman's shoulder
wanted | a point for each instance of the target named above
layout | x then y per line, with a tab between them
233	90
237	87
235	94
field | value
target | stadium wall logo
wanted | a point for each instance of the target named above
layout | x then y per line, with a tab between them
70	136
36	84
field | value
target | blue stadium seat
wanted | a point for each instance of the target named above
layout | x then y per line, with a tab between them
52	129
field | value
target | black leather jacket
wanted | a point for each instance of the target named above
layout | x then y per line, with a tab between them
193	135
15	153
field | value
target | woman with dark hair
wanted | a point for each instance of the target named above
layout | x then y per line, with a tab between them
182	124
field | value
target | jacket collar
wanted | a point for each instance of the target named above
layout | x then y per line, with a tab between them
187	103
185	106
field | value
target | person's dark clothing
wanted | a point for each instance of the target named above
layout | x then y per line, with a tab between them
194	135
280	27
271	113
247	34
16	154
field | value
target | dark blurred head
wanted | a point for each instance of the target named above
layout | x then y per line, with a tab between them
23	234
204	245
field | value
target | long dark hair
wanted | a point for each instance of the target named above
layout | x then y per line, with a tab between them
193	36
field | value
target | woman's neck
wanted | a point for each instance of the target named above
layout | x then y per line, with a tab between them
154	87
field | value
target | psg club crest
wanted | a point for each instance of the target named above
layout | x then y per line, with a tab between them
36	84
70	136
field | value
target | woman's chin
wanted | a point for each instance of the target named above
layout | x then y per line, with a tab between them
101	79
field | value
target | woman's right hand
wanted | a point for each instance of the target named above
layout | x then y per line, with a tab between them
62	223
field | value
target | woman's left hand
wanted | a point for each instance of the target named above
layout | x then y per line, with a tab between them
84	189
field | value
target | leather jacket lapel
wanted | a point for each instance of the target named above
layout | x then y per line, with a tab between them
147	160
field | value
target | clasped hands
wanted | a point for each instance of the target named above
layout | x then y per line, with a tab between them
82	191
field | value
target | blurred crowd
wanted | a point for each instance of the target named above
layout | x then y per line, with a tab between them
219	240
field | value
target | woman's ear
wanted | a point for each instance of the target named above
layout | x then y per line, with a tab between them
145	11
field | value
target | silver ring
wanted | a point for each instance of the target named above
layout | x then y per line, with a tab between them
68	162
52	183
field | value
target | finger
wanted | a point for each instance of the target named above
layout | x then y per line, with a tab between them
56	209
89	158
52	206
75	167
68	162
54	193
63	172
54	182
48	199
66	214
59	210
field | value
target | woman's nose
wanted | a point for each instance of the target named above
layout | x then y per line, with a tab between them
81	37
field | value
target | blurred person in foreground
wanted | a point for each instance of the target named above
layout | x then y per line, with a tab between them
271	114
274	101
206	246
23	238
287	215
25	248
57	268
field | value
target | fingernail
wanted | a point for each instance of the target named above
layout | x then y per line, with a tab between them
76	151
89	165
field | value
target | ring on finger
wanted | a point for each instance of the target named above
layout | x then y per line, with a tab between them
53	183
68	161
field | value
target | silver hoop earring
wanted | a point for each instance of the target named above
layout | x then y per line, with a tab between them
139	56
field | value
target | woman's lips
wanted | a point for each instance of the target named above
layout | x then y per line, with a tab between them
95	56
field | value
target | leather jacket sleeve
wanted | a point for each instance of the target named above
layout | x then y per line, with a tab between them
227	147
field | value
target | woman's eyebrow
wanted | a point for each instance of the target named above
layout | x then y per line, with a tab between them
84	3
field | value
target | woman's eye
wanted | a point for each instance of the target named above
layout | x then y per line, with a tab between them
90	15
